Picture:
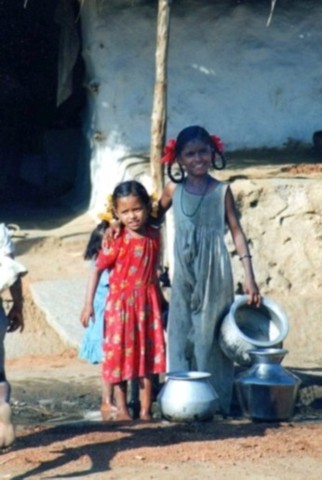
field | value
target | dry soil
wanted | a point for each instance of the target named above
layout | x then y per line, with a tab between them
55	402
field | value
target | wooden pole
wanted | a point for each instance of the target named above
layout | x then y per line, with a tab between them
159	110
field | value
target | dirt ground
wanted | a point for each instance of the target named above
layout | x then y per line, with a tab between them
60	435
56	398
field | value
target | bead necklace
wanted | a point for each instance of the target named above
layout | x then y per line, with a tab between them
199	203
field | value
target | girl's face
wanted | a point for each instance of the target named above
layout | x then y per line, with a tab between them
196	158
132	213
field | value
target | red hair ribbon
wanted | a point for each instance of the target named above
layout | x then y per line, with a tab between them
169	152
170	149
218	143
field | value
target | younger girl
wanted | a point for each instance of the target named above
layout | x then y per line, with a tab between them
92	345
134	342
202	287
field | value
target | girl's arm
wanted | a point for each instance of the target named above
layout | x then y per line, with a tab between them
106	259
165	201
88	309
241	245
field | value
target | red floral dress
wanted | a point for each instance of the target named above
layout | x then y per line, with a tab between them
134	339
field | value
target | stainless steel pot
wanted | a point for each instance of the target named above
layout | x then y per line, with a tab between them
188	396
248	327
267	391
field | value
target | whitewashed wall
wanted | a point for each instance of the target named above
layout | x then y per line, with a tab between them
252	85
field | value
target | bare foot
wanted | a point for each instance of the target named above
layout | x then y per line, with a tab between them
145	416
7	432
108	412
123	415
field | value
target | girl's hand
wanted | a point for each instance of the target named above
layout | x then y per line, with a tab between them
87	313
252	290
112	232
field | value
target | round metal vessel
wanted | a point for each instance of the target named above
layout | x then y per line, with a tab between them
267	391
247	327
187	396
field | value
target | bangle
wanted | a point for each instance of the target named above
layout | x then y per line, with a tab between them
245	256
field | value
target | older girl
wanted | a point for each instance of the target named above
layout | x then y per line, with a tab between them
202	287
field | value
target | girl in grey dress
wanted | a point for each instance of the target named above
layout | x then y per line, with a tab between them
202	287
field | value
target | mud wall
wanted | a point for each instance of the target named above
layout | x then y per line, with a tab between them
282	219
255	86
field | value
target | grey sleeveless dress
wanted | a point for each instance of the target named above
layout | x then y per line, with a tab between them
202	288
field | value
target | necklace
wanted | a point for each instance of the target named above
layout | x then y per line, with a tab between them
192	214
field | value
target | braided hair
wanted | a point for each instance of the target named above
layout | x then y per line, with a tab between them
95	241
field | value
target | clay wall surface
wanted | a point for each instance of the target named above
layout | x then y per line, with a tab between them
254	86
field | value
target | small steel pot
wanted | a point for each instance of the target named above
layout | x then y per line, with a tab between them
188	396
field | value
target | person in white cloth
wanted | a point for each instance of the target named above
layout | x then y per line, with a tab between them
10	278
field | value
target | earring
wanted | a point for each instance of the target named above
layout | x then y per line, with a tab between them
173	177
222	163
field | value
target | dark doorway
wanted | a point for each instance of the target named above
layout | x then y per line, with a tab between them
41	140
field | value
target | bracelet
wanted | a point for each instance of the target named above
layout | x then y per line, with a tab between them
245	256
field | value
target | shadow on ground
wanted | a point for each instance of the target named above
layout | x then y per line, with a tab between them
101	442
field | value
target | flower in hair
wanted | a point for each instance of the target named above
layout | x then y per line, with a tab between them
169	152
217	143
108	214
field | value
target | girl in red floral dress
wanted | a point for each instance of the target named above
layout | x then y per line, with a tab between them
134	339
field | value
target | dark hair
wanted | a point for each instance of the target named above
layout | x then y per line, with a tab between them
132	187
189	134
95	241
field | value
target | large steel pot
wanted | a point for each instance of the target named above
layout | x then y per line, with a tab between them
187	396
248	327
267	391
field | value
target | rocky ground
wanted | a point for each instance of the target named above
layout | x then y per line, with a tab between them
56	398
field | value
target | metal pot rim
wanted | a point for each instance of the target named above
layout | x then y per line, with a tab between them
187	375
242	300
268	351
